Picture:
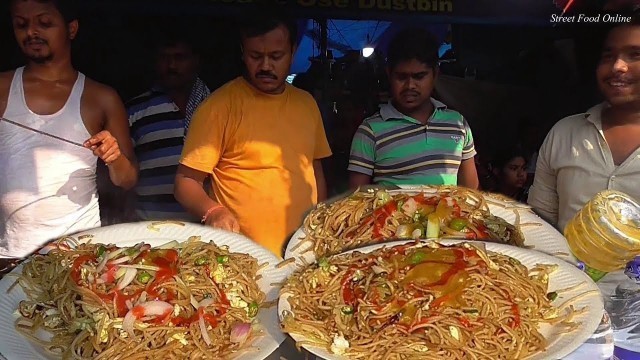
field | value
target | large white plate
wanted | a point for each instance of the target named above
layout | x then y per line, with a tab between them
567	275
538	234
16	347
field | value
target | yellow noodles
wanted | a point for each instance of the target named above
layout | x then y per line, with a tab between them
374	216
103	302
423	302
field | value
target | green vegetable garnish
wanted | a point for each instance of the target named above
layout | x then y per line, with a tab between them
471	311
552	295
458	224
347	310
131	251
222	259
417	257
203	260
323	263
252	311
144	277
433	226
101	250
382	197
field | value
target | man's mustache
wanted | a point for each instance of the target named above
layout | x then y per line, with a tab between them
35	40
410	93
267	74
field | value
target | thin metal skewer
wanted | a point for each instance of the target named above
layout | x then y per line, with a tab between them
42	132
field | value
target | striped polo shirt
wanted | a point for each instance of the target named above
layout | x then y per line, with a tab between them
396	149
157	129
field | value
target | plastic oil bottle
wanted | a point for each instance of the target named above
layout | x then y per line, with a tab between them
605	236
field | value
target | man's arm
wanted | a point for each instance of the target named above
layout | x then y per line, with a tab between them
468	174
543	195
362	157
113	144
357	180
321	184
190	193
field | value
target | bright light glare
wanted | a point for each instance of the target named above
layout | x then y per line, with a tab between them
367	51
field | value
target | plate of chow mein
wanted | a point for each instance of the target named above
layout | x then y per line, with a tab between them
147	290
440	300
377	215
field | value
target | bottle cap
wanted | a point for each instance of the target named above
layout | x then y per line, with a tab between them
633	269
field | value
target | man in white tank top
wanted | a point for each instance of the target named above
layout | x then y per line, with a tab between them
47	186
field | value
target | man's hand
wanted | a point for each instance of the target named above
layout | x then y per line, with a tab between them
222	218
104	146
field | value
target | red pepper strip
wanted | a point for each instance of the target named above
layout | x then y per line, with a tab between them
77	264
348	286
516	316
465	322
381	215
431	200
457	212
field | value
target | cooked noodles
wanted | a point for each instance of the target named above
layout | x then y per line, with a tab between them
372	216
196	301
423	302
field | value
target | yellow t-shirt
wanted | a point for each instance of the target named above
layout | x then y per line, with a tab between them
259	149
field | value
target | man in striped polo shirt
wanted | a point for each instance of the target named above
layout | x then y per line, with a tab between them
159	121
413	140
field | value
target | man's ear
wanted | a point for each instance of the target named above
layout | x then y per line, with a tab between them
73	29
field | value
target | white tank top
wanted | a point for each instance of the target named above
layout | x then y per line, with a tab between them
47	187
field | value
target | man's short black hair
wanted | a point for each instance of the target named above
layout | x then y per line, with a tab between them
267	17
176	36
413	43
68	8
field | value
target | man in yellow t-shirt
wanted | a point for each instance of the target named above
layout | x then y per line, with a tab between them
261	139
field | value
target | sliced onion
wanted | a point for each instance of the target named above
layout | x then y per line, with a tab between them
206	302
194	302
410	207
203	330
170	245
150	308
102	264
120	260
120	272
127	278
142	298
146	247
378	269
141	267
115	253
240	333
416	234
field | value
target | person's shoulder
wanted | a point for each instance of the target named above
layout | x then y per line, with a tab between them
140	99
301	95
6	77
102	93
570	123
373	119
449	116
5	81
229	89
